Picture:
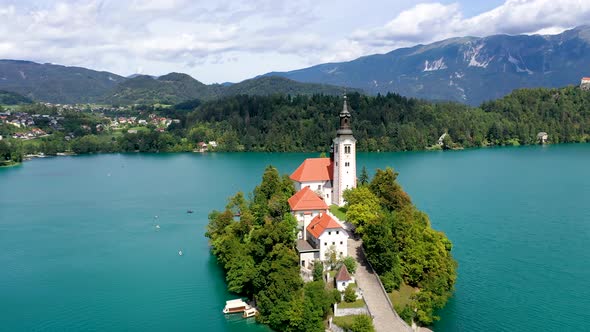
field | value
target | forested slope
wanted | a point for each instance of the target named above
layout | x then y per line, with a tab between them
392	122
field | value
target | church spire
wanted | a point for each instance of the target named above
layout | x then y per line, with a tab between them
344	157
345	128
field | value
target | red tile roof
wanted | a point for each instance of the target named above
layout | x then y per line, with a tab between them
343	274
314	169
320	224
585	78
306	200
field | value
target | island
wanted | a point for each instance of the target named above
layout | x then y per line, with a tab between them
306	247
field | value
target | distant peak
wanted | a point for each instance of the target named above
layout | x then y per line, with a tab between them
174	76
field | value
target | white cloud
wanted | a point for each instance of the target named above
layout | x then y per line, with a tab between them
230	40
156	5
428	22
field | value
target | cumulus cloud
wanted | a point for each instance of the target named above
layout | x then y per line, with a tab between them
94	33
248	36
428	22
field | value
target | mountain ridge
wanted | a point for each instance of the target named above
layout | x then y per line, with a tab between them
464	69
69	84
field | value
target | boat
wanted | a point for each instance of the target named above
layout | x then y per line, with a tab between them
157	226
235	306
189	211
251	312
180	253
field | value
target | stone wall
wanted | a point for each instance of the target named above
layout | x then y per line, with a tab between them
350	311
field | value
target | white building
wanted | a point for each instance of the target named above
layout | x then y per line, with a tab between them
321	235
344	158
317	174
330	177
320	182
343	278
305	205
324	233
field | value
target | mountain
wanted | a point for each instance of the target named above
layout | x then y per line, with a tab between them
168	89
175	88
469	69
70	85
12	98
55	83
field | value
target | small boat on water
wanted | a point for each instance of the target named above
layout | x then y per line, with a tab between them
235	306
180	253
189	211
157	226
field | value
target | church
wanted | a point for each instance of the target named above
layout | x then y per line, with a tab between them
321	182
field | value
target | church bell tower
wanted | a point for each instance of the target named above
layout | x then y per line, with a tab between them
344	157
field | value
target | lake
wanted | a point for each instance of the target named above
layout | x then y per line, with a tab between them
79	247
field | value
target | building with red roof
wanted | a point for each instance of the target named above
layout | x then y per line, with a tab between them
585	83
305	205
313	169
323	233
316	173
343	278
321	182
331	176
307	200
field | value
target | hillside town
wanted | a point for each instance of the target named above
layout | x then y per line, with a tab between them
31	126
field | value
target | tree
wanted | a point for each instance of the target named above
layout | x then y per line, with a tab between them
363	207
364	177
349	294
5	150
350	264
362	323
336	295
389	192
318	270
331	257
447	142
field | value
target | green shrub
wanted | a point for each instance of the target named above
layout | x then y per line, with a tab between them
349	294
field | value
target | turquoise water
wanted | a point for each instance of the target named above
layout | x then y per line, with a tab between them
79	249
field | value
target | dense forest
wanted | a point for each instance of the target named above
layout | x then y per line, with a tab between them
392	122
257	252
307	123
401	245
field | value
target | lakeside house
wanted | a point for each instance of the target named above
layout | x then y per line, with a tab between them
542	137
321	182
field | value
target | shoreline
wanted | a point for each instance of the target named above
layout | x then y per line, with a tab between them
12	164
68	154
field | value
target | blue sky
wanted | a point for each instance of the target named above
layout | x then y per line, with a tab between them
231	40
